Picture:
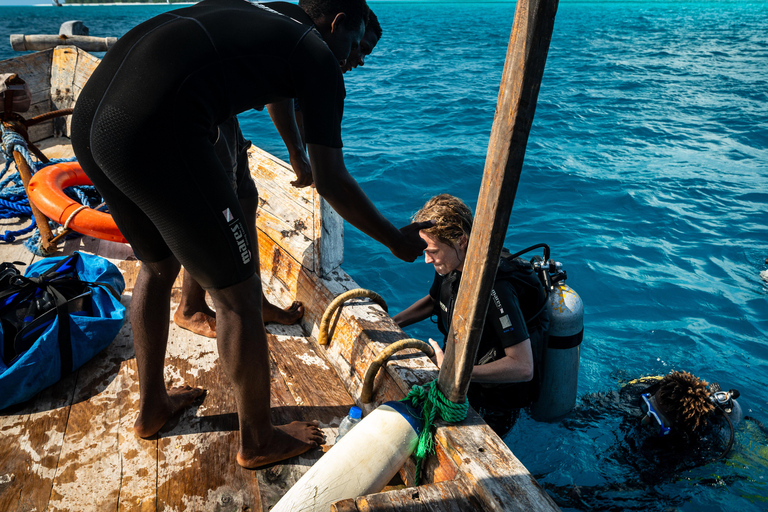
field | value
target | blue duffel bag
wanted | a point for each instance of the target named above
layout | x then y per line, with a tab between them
53	319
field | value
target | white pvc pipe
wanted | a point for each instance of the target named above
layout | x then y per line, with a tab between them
361	463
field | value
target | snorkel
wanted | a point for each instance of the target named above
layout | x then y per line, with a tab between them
654	413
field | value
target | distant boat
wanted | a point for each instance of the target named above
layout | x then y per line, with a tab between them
56	3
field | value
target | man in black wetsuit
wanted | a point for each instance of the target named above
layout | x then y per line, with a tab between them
144	130
505	375
193	312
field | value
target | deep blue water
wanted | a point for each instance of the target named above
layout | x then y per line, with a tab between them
646	172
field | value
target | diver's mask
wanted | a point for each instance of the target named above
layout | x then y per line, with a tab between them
723	399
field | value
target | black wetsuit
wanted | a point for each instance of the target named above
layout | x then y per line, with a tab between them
232	149
516	312
145	124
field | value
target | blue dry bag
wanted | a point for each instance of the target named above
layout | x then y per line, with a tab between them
55	318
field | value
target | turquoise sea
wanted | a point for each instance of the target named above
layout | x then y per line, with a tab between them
646	172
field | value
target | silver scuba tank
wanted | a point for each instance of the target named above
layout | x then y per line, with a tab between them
560	361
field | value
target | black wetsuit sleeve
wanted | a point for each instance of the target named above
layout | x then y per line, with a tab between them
319	90
505	316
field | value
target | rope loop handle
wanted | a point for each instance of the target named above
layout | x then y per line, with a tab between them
322	336
366	395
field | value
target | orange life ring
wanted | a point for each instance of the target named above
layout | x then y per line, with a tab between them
46	190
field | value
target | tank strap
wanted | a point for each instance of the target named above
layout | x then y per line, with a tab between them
566	342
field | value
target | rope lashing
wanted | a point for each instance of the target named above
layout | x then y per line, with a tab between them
12	141
72	215
366	395
13	197
432	401
322	336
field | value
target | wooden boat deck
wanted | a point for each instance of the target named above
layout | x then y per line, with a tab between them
72	447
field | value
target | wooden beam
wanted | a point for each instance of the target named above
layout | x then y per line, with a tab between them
42	221
23	43
523	70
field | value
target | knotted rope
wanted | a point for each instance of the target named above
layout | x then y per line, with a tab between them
13	198
432	401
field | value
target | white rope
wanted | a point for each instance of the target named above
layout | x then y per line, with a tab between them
72	215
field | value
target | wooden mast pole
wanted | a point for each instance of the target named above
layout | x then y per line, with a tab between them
523	70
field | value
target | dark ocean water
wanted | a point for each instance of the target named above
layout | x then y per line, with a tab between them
646	172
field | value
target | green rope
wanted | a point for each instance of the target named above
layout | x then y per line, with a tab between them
431	400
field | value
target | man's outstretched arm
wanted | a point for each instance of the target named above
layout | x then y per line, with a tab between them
343	193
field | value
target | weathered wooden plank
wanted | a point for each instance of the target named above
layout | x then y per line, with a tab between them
36	42
138	456
304	389
63	65
289	236
452	496
93	464
86	63
274	177
279	270
34	69
498	479
196	460
275	480
56	147
329	232
42	130
310	378
31	436
285	212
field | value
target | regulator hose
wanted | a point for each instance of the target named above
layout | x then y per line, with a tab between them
529	249
730	440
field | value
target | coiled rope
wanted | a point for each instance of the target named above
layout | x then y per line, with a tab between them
14	202
432	402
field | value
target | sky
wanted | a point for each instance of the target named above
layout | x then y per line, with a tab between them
5	3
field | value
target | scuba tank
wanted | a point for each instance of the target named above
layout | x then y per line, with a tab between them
560	358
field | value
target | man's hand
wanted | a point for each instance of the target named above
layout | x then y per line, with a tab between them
411	245
302	168
438	357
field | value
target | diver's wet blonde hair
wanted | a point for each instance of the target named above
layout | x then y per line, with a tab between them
684	399
452	217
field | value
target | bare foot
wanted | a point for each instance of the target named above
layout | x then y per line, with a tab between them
287	441
151	420
287	316
203	323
